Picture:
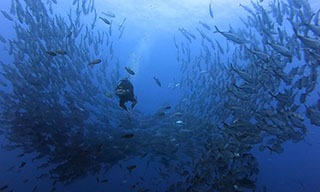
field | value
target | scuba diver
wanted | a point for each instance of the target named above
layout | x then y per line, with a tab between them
124	91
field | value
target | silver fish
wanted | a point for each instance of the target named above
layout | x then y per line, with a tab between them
231	36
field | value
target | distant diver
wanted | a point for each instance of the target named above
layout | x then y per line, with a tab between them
125	92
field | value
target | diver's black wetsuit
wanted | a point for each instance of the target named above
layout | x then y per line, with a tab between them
125	92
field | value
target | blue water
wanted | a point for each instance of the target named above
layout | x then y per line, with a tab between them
62	129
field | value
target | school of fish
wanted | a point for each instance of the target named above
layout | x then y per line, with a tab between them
245	88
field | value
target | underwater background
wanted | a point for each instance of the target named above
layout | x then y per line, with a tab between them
228	95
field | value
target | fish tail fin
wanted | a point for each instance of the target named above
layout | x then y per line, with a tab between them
306	22
271	94
217	30
295	26
232	68
309	20
228	90
245	46
267	42
295	30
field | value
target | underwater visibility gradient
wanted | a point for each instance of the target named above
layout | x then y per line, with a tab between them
220	95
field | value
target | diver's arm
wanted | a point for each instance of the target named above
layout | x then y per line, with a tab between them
121	91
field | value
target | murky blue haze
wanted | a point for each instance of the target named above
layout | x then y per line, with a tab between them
228	95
